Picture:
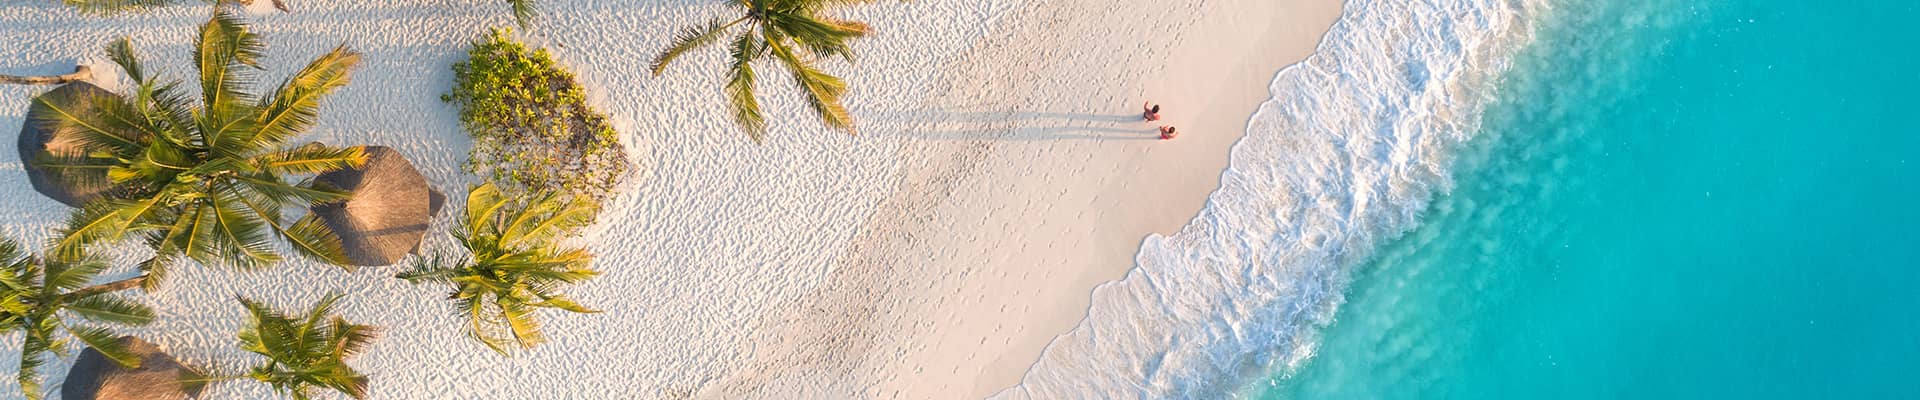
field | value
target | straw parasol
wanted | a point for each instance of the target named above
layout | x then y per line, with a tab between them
77	186
159	377
389	212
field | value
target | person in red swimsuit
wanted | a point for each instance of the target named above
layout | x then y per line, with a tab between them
1167	133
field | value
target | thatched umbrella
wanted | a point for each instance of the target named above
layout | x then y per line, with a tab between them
389	212
71	187
159	377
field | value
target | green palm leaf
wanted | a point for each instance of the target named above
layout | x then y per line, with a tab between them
107	343
312	158
690	39
111	309
524	12
295	106
33	351
104	220
34	296
122	54
226	54
306	352
513	266
784	29
823	91
202	180
75	116
740	87
241	234
67	275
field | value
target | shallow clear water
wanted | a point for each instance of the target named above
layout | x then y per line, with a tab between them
1667	199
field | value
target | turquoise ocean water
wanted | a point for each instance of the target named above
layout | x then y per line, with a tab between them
1667	199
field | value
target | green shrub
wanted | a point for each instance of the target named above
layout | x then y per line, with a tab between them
530	123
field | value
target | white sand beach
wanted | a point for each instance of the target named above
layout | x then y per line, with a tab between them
1001	173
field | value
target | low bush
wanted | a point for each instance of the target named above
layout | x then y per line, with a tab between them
530	122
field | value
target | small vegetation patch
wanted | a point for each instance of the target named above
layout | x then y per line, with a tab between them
530	123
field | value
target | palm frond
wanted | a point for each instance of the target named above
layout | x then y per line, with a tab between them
33	351
312	158
306	352
821	36
312	238
224	47
101	221
276	194
122	54
547	265
66	274
107	343
78	170
823	90
154	270
484	324
350	339
76	116
563	303
240	234
524	12
690	39
293	108
740	87
169	103
520	323
111	309
512	269
544	219
437	268
191	236
483	201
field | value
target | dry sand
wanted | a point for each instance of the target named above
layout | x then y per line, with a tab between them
1036	183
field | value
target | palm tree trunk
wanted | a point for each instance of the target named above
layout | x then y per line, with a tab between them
108	287
80	73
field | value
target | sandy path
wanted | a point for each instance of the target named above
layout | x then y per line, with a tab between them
1033	182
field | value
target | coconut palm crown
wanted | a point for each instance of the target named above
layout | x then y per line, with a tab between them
41	298
205	181
515	264
308	351
795	33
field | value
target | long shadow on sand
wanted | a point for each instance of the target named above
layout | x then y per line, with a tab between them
1017	125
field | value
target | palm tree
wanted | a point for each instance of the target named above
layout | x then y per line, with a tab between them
41	298
796	33
515	265
210	182
308	351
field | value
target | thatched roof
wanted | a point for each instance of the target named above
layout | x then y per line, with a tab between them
36	143
158	378
389	212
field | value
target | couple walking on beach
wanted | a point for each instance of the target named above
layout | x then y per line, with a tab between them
1151	112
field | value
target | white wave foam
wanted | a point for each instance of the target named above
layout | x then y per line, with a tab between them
1345	156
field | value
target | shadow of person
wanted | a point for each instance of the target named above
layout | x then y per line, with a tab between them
948	124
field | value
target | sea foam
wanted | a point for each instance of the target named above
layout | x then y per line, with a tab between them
1345	156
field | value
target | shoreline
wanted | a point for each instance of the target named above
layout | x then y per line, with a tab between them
942	294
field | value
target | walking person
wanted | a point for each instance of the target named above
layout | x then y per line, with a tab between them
1150	111
1168	133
